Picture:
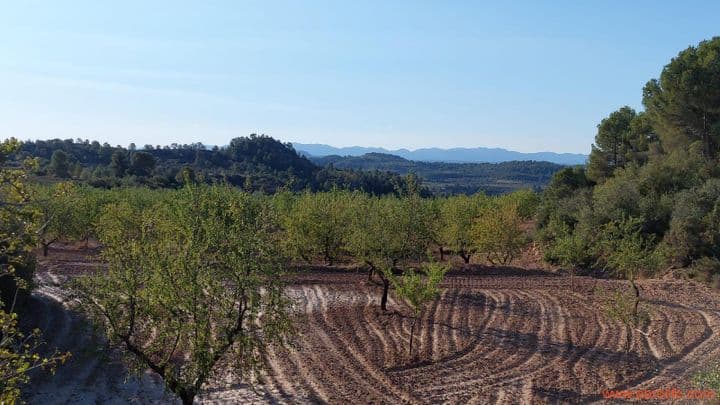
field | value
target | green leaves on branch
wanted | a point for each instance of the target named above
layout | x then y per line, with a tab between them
498	233
18	351
190	283
417	289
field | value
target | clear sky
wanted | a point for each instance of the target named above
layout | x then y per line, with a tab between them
524	75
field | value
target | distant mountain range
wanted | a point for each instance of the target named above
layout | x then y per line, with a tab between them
453	155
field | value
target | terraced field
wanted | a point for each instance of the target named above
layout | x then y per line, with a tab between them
493	336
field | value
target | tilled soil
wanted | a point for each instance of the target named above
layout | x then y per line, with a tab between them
494	336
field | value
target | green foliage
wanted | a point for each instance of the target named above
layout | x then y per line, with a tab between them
17	220
695	226
418	288
626	251
454	226
619	305
684	103
119	163
570	251
19	355
142	164
317	225
442	178
708	378
190	282
705	269
525	200
665	185
387	230
623	138
56	208
622	305
18	351
498	233
59	164
255	163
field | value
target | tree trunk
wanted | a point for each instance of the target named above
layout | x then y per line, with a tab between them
465	256
628	340
442	253
637	298
45	248
328	259
412	334
386	287
187	399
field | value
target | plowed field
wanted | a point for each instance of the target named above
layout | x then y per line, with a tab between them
493	336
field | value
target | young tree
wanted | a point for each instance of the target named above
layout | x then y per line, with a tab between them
417	289
196	282
498	233
628	253
621	305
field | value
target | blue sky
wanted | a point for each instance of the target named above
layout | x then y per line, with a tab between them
524	75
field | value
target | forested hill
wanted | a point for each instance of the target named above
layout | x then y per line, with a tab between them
453	178
254	163
261	163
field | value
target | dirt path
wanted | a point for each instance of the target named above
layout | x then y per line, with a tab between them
486	339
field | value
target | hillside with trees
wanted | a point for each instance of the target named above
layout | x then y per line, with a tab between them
453	178
651	191
254	163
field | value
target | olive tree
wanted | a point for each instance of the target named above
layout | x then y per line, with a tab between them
190	283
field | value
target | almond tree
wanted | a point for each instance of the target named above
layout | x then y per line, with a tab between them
317	226
56	208
417	289
458	214
18	350
627	253
498	234
190	283
387	234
